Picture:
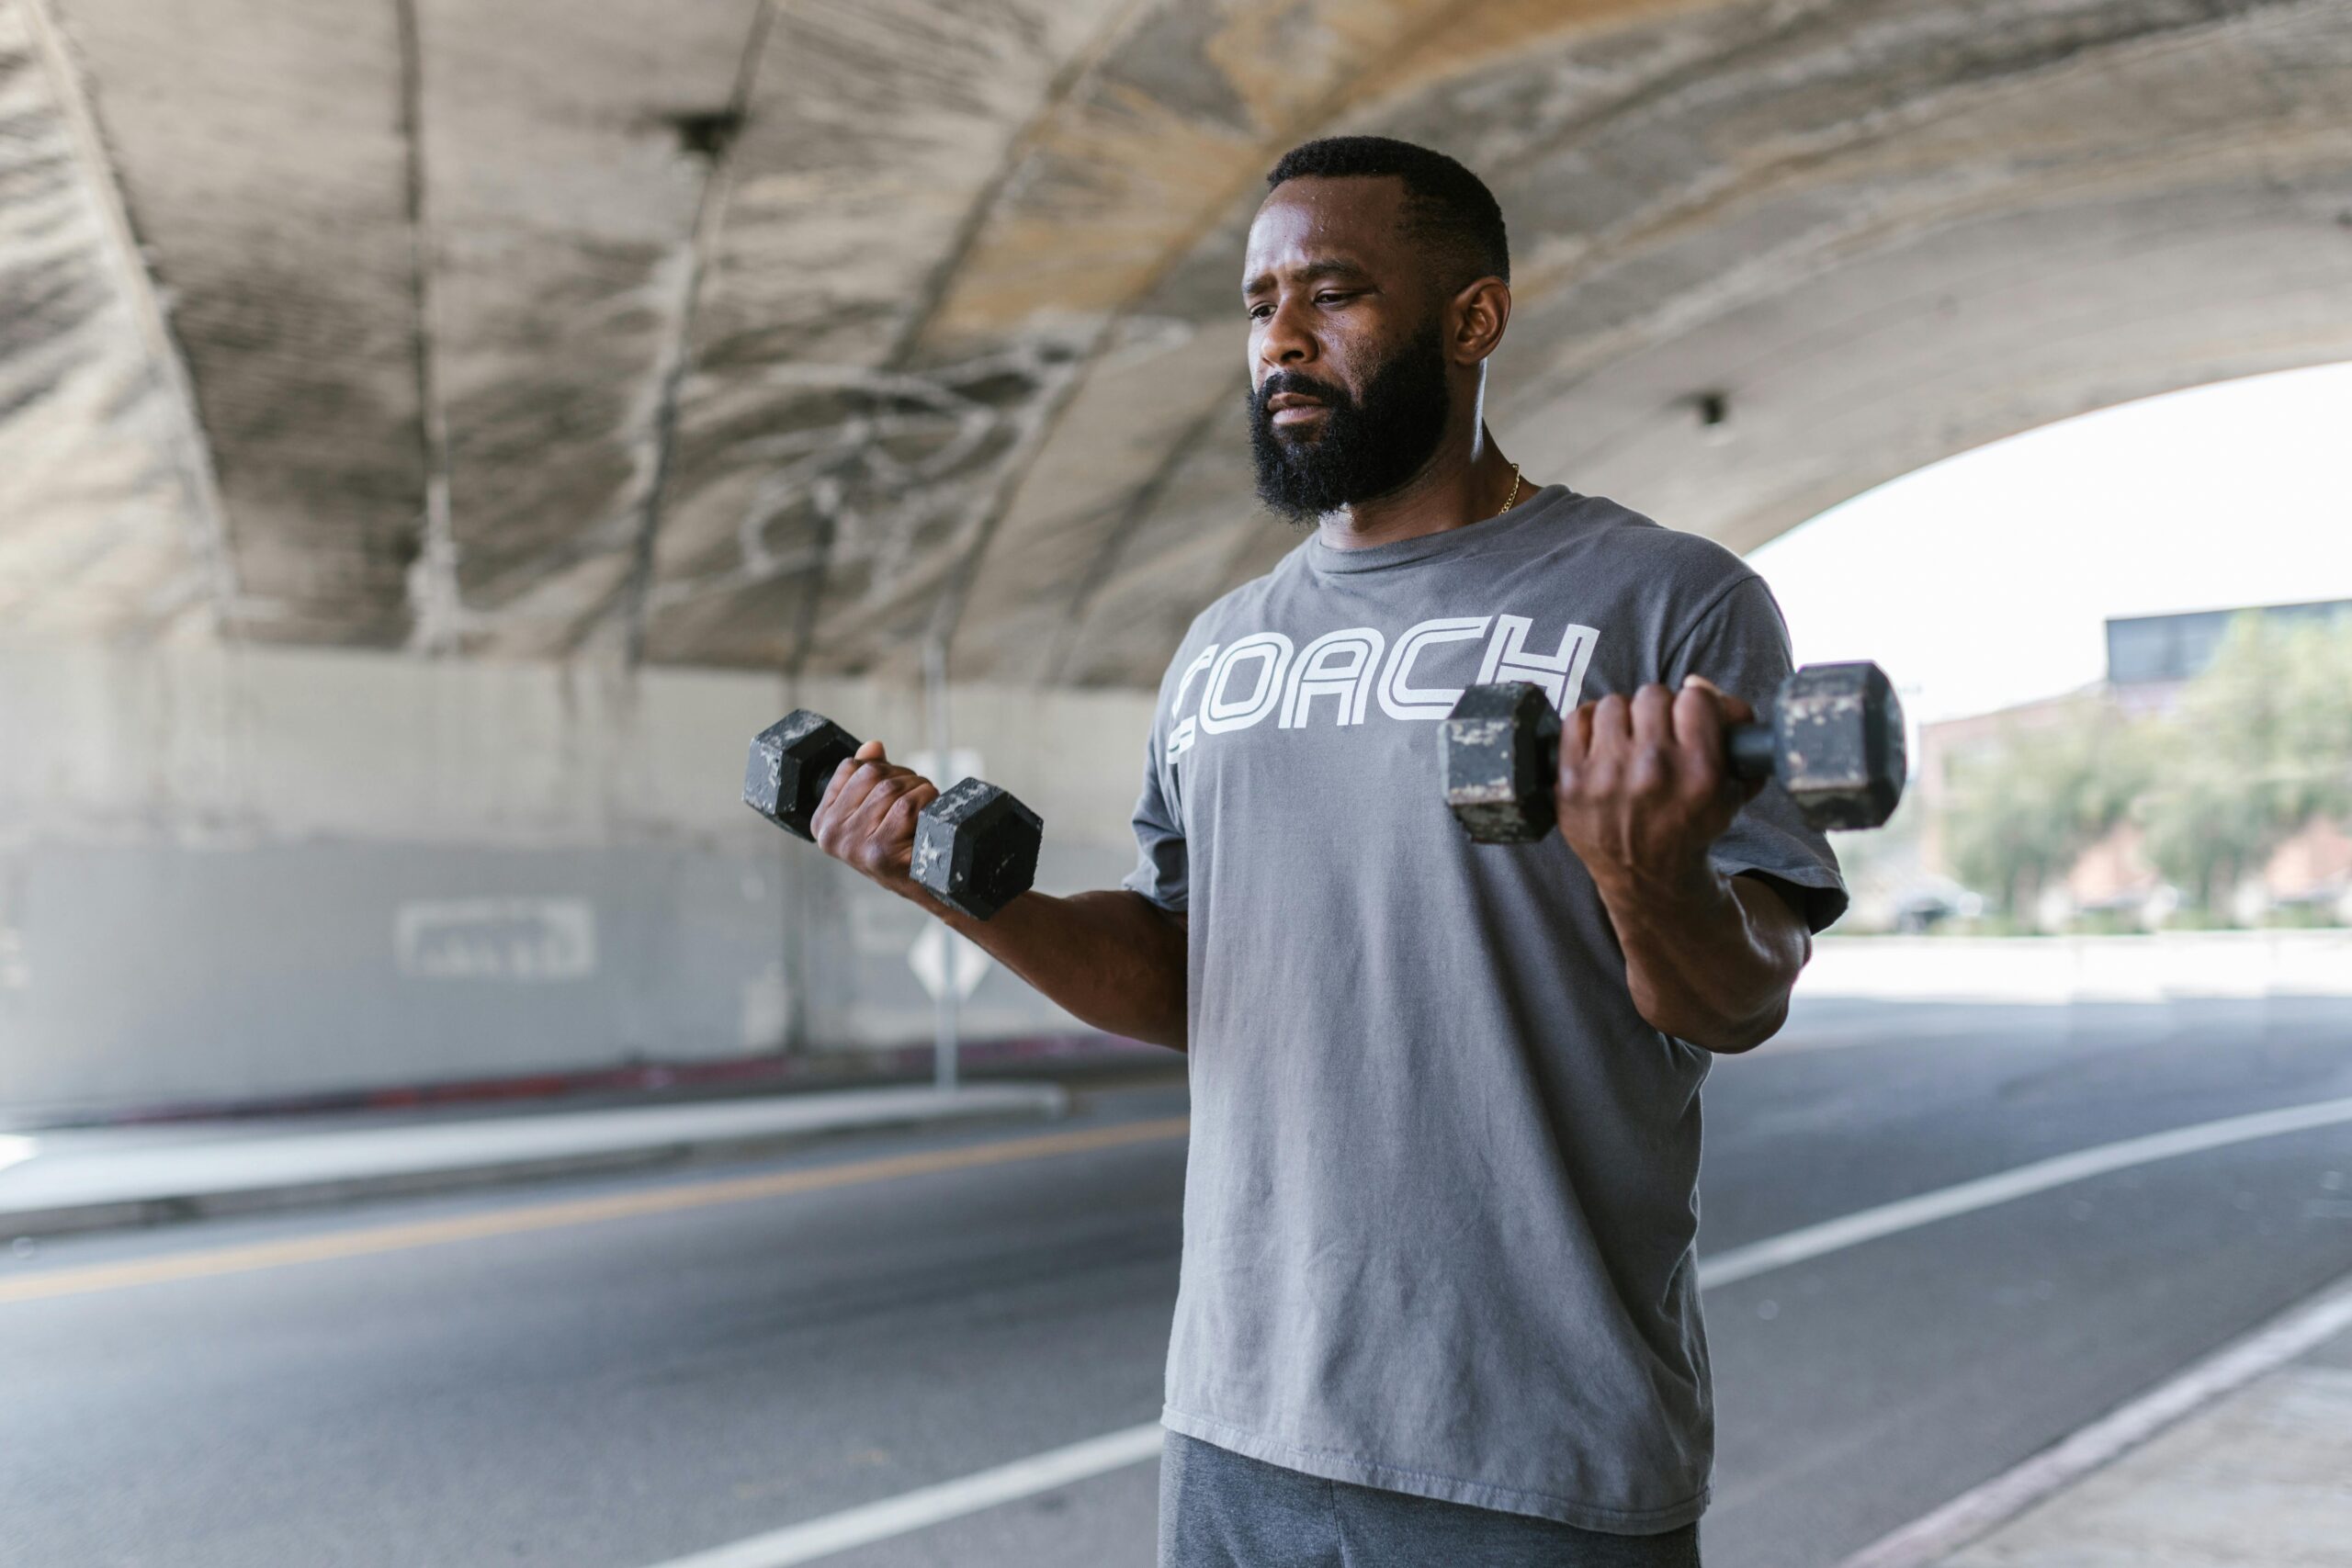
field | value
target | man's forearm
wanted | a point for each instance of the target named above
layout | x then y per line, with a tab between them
1709	958
1113	959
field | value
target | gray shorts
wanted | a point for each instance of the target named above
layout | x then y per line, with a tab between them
1220	1509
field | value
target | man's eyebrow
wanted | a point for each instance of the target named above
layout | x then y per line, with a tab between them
1313	272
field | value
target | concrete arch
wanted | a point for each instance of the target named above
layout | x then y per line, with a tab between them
962	353
1877	241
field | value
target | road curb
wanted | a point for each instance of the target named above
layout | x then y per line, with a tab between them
858	1112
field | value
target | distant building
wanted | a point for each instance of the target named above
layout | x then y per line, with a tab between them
2150	657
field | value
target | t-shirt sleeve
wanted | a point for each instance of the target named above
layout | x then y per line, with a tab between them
1741	644
1162	867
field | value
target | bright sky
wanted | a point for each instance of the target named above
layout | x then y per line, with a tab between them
1986	579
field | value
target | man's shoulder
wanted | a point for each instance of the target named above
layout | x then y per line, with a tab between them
1668	557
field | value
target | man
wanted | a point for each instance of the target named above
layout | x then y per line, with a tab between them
1438	1303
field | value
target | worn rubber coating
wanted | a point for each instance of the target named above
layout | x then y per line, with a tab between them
1498	752
976	848
1838	736
791	761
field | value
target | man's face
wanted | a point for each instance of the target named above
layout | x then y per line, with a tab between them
1348	391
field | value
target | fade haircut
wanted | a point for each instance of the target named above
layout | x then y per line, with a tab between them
1449	211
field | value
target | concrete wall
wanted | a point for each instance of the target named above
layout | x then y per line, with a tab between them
232	872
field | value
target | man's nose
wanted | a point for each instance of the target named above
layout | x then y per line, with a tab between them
1286	342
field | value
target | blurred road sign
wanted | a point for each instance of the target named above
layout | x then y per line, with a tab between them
928	959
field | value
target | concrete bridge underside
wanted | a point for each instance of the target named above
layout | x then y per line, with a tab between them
784	333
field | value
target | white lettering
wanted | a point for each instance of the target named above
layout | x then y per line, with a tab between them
1180	739
1219	712
1340	664
495	939
1208	657
1398	699
1561	674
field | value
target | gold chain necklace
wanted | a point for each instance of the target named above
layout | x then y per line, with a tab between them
1512	498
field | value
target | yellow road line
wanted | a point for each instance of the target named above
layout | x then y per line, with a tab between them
577	1212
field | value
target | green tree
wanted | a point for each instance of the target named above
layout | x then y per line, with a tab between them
2024	807
2259	745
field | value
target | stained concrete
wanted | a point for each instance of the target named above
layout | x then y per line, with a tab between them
228	874
788	334
105	515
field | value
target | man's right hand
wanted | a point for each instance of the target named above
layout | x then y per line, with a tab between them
867	820
1113	959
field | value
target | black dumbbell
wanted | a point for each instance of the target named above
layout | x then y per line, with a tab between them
1832	741
975	846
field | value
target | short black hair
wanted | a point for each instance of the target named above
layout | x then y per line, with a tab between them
1448	210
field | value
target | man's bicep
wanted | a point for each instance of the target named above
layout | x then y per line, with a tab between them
1742	645
1778	905
1162	874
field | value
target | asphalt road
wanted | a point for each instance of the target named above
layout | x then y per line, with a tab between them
618	1392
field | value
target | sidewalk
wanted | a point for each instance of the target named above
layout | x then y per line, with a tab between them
2262	1478
2244	1461
53	1183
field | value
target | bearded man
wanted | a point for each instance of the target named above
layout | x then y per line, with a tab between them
1439	1302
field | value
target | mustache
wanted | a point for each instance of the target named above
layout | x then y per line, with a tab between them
1304	386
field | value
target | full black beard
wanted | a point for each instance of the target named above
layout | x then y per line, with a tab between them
1364	450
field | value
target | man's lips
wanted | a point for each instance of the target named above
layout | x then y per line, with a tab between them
1293	408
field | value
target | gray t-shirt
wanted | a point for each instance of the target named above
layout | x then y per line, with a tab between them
1441	1194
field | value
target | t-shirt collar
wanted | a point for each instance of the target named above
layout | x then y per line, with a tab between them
1542	506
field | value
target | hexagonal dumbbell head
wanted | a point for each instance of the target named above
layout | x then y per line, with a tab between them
1833	741
791	761
976	848
1498	751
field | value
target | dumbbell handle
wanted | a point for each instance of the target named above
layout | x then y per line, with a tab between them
1751	748
826	781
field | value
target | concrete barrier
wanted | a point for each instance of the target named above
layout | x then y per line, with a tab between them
231	874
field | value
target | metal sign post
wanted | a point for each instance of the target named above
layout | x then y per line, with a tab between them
944	998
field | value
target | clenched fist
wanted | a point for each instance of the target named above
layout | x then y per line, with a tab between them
867	820
1644	784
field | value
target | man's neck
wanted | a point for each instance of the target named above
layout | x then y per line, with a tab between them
1466	481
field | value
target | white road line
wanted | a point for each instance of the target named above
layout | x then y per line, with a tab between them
933	1504
1023	1478
1869	1224
1973	1514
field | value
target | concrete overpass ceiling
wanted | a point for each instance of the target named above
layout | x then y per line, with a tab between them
788	332
107	517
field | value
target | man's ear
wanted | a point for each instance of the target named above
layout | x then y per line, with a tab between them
1477	316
